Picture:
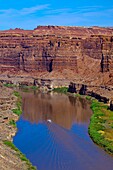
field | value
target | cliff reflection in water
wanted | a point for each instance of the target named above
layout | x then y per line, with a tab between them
43	107
52	147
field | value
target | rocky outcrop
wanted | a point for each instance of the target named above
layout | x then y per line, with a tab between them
101	93
46	49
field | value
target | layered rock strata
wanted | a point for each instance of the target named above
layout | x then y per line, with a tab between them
86	52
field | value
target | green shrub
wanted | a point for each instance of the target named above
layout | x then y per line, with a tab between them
61	90
16	93
17	112
88	97
12	122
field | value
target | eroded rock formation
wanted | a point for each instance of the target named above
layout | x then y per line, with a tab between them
81	51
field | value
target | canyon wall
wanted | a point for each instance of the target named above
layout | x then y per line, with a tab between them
83	52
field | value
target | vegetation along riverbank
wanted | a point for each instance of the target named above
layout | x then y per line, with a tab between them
101	126
101	122
10	110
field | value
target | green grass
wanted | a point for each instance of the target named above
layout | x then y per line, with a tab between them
17	112
101	126
17	94
88	97
77	95
9	85
12	122
28	88
18	109
19	154
61	90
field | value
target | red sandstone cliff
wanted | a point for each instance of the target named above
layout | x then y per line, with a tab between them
53	51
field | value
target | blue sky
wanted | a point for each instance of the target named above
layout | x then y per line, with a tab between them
28	14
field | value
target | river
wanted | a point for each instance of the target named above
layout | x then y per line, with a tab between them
53	133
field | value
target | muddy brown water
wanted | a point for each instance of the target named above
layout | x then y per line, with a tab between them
53	133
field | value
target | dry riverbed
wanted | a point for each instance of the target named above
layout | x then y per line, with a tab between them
9	158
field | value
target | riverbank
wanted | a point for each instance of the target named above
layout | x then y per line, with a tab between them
101	126
100	129
10	156
101	122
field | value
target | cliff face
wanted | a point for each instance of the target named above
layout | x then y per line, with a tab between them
51	48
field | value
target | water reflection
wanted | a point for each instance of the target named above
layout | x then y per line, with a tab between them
62	143
59	108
